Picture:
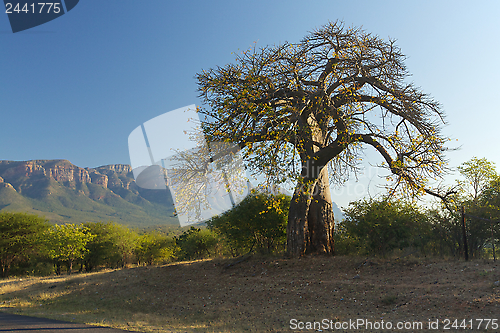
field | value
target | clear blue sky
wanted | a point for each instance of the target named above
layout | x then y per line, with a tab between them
74	88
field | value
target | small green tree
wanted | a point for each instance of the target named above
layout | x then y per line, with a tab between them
480	176
489	201
66	244
478	173
112	246
102	249
21	236
258	222
476	194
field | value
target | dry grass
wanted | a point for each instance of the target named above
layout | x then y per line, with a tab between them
262	294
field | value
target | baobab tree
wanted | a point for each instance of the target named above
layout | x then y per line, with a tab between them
305	111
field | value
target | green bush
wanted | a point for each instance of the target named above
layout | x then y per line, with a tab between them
346	242
196	243
380	226
154	248
257	223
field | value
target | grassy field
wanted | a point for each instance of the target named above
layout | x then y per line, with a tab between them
264	294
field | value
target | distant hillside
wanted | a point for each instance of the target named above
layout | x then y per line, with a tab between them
63	192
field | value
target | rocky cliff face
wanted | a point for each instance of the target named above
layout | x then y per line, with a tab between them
21	169
118	168
16	173
67	193
4	184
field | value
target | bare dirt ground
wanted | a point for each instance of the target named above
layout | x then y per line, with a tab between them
273	295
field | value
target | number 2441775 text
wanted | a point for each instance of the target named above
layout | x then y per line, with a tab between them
39	8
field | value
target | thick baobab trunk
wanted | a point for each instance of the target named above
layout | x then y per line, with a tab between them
320	217
297	232
310	218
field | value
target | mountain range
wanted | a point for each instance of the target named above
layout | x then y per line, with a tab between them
63	192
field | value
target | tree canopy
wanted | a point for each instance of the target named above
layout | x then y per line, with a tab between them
478	174
67	243
20	238
299	108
